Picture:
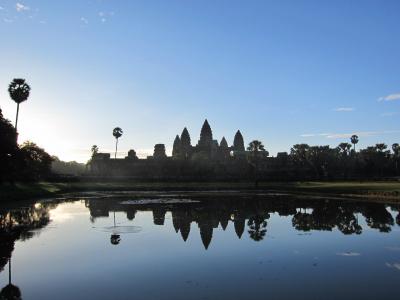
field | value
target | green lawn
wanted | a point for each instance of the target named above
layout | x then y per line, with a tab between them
351	188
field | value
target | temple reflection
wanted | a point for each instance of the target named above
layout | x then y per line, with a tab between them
253	213
248	214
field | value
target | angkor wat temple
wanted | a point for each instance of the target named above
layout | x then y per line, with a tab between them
208	159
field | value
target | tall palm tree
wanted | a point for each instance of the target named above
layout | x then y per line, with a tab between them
94	150
354	141
396	156
117	133
257	151
19	92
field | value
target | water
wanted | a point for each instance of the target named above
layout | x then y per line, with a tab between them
182	245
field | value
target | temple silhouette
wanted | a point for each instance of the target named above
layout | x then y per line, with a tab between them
207	159
207	147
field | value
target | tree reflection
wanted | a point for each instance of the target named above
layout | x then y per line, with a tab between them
10	291
257	227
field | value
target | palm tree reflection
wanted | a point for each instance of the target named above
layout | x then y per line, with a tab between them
115	238
10	291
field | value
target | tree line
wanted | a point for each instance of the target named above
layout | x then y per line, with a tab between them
20	162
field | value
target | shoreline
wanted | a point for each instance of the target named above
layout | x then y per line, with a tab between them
379	190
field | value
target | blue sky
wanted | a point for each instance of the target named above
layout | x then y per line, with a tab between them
284	72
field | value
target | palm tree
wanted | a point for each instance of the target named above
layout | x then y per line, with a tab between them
344	148
94	150
117	133
396	149
396	155
257	150
19	92
354	141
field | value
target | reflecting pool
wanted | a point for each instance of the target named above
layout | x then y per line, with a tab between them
199	245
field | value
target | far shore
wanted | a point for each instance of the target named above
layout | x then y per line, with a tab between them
377	190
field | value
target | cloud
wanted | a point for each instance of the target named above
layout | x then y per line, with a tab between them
8	20
348	135
393	265
388	114
348	254
390	97
1	8
344	109
314	134
20	7
84	20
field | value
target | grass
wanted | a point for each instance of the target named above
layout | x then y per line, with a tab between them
19	191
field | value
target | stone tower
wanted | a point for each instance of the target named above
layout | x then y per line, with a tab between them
238	143
205	136
186	146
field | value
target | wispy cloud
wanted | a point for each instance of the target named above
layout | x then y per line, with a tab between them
348	254
393	265
21	7
348	135
344	109
105	15
391	97
1	8
84	20
8	20
388	114
314	134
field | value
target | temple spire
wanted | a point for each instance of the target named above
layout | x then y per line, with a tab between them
206	134
176	149
238	143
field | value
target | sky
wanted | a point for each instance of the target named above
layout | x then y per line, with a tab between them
283	72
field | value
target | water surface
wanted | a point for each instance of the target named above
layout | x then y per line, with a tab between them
182	245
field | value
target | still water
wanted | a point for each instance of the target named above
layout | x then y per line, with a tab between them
209	245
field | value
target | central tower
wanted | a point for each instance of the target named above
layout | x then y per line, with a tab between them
205	135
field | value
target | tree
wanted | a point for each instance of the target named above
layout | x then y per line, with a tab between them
117	133
94	150
354	141
344	148
19	92
37	162
8	149
257	152
344	157
396	154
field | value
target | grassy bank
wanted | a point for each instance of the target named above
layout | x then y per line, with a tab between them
386	189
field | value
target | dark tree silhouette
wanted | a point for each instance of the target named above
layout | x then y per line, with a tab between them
257	227
94	150
344	148
354	141
396	155
8	149
37	162
19	92
117	133
257	152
